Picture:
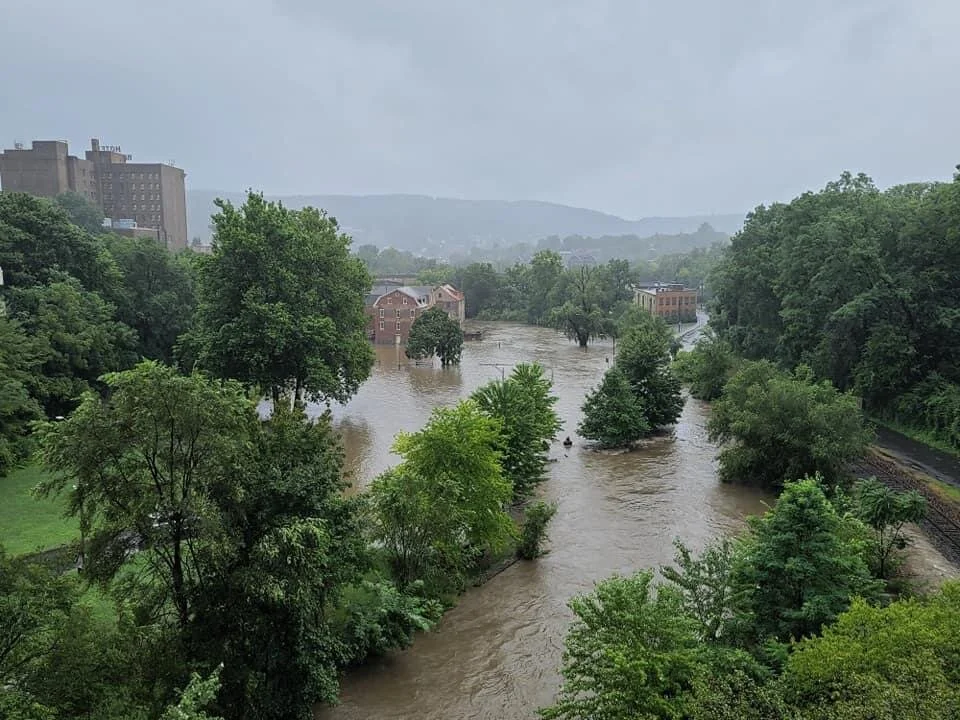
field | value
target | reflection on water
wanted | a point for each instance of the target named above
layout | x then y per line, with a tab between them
496	654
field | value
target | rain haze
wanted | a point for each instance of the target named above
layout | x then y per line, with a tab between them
632	108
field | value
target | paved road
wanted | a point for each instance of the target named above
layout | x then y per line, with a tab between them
918	456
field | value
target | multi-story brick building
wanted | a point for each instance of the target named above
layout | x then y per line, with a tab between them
392	309
142	195
672	302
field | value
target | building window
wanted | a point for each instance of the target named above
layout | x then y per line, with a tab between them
389	301
381	325
398	326
381	312
404	299
413	312
398	312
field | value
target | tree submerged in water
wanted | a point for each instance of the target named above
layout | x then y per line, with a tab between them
435	333
612	414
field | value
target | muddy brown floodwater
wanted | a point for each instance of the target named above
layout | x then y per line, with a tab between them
495	655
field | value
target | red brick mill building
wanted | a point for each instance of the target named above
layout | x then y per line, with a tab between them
392	307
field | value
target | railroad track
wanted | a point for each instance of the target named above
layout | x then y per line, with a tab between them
942	522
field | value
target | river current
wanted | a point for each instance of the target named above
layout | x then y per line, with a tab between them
496	655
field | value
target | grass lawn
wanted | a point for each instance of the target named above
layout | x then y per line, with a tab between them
28	524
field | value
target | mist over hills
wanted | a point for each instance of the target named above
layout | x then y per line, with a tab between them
444	226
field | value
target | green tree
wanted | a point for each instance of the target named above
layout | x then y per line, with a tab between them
798	571
886	511
580	317
281	303
707	368
143	464
612	415
776	427
157	298
533	532
886	663
81	212
634	653
706	584
20	361
271	588
479	283
34	606
524	406
435	333
39	244
859	285
543	278
643	356
197	695
441	508
77	336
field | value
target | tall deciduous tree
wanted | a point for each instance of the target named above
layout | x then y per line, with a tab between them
281	303
435	333
78	339
778	427
580	317
523	404
141	467
157	296
443	505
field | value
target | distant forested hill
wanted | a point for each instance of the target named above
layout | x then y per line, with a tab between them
443	226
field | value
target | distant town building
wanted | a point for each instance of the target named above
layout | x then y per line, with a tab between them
131	195
671	301
392	309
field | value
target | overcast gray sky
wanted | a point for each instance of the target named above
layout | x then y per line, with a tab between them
629	106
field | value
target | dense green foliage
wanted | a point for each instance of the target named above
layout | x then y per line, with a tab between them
77	305
773	626
281	303
434	333
524	407
226	539
533	532
859	284
640	393
438	511
613	416
800	567
707	367
778	426
886	663
643	355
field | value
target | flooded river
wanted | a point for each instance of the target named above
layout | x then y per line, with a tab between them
496	654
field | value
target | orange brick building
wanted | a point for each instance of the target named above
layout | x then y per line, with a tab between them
672	302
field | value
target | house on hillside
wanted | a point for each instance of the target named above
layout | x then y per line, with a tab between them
392	309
